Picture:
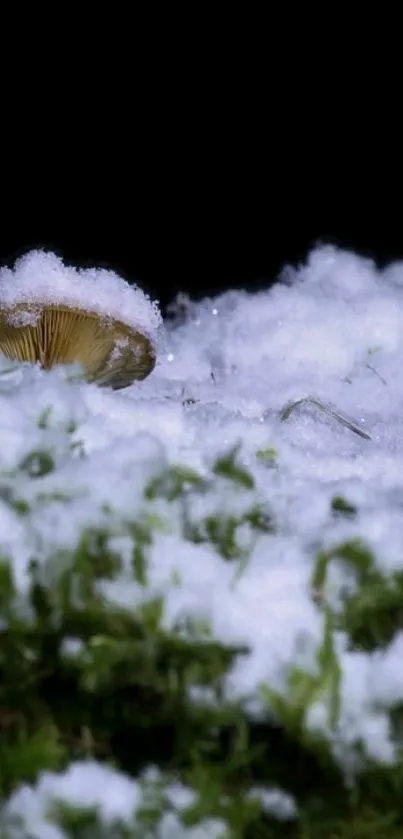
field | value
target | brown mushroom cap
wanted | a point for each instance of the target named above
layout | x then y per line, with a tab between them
111	353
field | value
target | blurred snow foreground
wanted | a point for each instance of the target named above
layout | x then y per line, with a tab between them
253	520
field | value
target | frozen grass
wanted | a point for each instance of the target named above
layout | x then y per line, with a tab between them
201	586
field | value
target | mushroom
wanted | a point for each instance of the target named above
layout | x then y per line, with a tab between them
41	323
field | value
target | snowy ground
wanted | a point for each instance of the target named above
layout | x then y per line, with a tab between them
333	329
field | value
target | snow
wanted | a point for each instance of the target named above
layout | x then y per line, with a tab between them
275	801
117	799
41	278
332	329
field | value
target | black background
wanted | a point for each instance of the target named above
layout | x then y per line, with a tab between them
201	256
208	166
197	225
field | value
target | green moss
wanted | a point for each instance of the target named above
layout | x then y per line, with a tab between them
125	695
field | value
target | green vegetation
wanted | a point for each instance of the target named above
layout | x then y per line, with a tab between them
82	677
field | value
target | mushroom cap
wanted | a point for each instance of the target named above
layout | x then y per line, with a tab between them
111	353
